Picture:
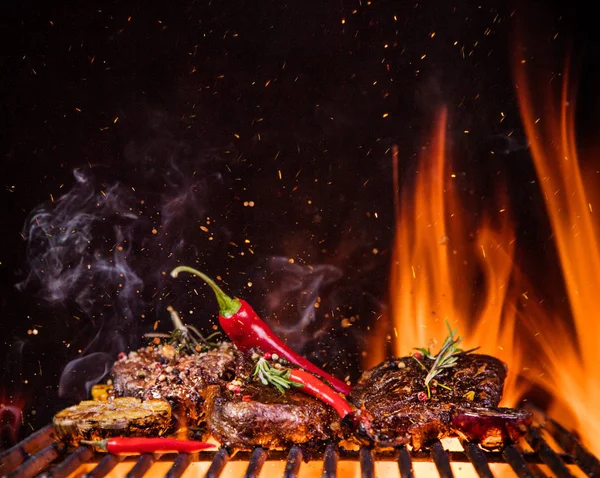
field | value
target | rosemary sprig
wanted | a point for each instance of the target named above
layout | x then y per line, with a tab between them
186	338
267	374
445	359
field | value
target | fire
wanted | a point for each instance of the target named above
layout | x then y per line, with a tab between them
436	263
440	257
571	351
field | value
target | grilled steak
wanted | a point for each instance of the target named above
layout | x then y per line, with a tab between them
160	373
245	413
127	416
394	397
261	415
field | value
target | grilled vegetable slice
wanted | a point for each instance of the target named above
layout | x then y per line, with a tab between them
125	416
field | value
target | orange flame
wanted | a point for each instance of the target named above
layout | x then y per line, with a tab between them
571	350
437	266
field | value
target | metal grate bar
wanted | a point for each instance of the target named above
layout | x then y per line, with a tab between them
219	461
517	462
367	464
143	464
36	463
441	460
586	461
478	459
16	455
104	466
330	461
257	460
547	454
294	460
80	456
405	463
180	464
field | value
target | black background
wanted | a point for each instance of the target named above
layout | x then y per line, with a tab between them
219	99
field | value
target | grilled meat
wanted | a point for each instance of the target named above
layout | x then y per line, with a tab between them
246	413
160	373
261	415
126	416
394	397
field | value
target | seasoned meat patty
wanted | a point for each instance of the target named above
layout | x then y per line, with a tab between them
394	397
261	415
160	373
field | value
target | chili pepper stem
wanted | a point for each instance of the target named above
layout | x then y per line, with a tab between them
102	444
228	305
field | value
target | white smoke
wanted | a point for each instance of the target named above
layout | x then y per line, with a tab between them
66	262
294	297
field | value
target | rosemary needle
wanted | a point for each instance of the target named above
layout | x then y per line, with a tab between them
445	359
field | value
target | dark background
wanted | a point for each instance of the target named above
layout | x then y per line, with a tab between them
175	113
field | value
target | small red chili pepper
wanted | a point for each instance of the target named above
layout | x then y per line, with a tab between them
137	446
314	387
247	330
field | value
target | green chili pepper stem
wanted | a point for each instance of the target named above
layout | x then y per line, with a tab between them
228	305
100	443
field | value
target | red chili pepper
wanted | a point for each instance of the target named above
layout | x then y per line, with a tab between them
137	446
246	329
312	386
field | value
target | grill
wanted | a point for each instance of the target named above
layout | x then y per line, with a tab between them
546	449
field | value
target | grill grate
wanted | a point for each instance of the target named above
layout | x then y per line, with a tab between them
41	454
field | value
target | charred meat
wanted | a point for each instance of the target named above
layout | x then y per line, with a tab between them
162	373
461	401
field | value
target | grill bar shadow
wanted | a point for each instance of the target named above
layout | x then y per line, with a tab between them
441	459
405	463
367	464
588	463
547	454
104	466
36	463
294	460
218	463
330	461
80	456
180	464
478	459
257	460
517	462
16	455
143	464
